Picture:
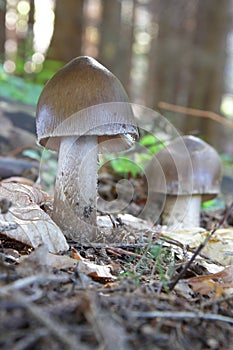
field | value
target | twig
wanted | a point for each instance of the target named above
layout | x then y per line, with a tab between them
196	113
227	298
180	315
189	249
120	251
24	282
199	248
55	328
30	339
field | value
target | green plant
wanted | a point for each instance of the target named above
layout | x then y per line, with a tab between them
132	165
213	204
125	166
152	143
163	258
131	275
12	87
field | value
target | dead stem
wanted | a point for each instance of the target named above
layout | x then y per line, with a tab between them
196	113
24	282
180	315
227	298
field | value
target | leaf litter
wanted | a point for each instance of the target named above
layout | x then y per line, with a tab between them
114	295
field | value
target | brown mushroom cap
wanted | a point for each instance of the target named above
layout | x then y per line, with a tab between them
77	100
190	166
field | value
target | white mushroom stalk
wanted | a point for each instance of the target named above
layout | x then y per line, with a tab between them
192	170
76	187
182	212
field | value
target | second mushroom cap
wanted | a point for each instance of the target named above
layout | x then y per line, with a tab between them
190	166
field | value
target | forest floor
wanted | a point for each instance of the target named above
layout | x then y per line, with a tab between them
136	294
114	296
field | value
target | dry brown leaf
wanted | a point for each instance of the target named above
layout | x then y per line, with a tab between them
41	257
203	287
220	282
76	254
96	271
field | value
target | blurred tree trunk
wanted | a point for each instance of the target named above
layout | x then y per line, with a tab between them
208	66
209	57
126	44
31	16
167	52
66	42
169	57
110	34
187	60
116	36
2	28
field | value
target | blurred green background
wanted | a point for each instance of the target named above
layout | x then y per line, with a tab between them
167	53
174	51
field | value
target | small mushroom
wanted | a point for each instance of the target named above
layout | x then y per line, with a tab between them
83	110
192	170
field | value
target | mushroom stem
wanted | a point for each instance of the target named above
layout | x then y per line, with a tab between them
182	211
74	208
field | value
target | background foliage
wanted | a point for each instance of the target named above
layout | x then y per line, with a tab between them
179	52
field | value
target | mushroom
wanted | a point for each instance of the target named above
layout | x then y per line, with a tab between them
192	169
83	110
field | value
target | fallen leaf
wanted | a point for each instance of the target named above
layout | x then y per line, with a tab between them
59	261
20	194
34	227
20	180
76	254
42	257
220	283
100	272
192	236
219	247
42	260
7	226
29	223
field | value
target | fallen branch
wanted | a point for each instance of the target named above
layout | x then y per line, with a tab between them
180	315
196	113
24	282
